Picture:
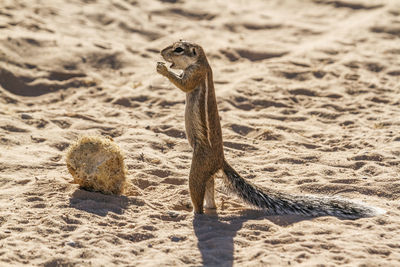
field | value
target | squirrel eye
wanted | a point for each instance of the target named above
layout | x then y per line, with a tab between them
178	50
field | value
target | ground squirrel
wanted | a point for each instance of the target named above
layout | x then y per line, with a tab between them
203	131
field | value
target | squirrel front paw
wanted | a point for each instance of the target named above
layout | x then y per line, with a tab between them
161	68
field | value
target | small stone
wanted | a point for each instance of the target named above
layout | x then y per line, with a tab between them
25	116
71	243
175	239
172	214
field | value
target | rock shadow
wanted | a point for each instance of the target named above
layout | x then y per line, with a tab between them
98	203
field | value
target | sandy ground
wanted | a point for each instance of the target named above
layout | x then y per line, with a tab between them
308	93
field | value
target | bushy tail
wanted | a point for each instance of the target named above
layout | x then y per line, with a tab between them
279	203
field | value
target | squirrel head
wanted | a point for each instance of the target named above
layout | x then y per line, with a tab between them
182	54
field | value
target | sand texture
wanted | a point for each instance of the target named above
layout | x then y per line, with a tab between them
309	99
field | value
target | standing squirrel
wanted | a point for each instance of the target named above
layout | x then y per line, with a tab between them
203	131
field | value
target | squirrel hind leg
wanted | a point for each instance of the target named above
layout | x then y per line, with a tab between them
197	188
209	195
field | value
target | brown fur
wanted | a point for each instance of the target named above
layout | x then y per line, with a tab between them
203	128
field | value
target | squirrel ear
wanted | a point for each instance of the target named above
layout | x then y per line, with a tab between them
194	51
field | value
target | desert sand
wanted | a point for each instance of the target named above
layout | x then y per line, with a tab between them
309	99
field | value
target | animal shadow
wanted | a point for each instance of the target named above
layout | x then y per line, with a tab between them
216	234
